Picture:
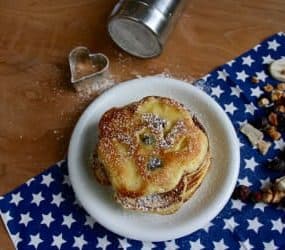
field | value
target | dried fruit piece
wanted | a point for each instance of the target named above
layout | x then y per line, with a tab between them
277	164
254	79
268	88
276	95
263	146
281	121
254	135
272	196
272	118
264	124
255	196
281	86
273	133
263	102
241	192
280	109
279	184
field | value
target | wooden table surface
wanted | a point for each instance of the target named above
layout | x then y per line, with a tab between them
38	107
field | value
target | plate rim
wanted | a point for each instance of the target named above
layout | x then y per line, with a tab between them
167	236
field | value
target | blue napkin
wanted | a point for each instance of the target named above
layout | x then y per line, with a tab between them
43	213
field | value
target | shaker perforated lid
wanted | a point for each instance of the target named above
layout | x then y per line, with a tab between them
141	27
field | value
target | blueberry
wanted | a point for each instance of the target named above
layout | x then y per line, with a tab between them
147	139
159	123
154	163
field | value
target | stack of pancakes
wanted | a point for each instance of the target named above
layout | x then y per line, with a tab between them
153	153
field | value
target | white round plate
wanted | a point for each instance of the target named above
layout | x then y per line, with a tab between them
207	201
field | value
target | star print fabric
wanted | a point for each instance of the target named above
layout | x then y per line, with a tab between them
44	213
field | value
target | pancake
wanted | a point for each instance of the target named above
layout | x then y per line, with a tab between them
171	201
153	153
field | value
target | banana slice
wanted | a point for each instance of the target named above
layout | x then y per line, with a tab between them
277	69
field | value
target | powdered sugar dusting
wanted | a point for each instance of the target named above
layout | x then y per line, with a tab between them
178	129
155	123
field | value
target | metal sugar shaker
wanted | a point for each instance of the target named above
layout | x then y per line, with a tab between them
141	27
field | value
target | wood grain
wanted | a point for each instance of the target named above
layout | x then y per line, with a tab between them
38	107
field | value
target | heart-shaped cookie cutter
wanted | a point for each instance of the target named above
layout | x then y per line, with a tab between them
88	71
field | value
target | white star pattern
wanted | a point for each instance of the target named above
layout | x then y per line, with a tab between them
236	91
77	202
79	242
205	78
257	92
35	240
59	164
273	45
278	225
230	223
43	212
270	245
47	219
208	226
265	183
261	76
66	180
220	244
237	204
47	179
217	91
242	123
89	221
230	63
58	241
25	219
250	108
103	242
230	108
254	225
147	245
170	245
68	220
242	75
57	199
240	144
246	244
280	144
245	181
16	198
250	163
267	59
257	47
16	238
37	198
247	60
196	245
260	206
30	181
124	244
6	216
222	75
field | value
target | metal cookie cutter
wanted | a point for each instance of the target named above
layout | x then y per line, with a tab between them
89	72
